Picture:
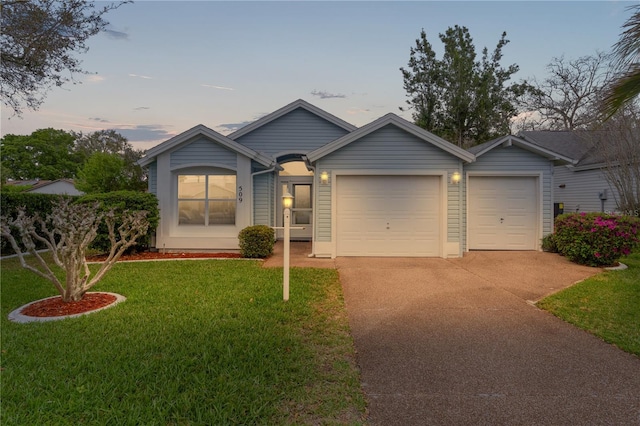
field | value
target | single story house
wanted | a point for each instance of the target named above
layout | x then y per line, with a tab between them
579	186
58	186
388	188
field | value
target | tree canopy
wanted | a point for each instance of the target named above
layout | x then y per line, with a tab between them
38	44
103	156
45	154
459	98
131	175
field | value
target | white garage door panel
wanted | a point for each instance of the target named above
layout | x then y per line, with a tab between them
388	216
503	213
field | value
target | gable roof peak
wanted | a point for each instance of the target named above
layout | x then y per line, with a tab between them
391	119
299	103
202	130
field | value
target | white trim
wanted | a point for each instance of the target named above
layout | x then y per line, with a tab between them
442	174
201	130
287	109
594	166
207	165
402	124
511	140
539	214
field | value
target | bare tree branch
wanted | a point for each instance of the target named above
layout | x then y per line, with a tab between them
68	231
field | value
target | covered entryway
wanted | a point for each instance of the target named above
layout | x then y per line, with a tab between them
503	212
297	180
395	215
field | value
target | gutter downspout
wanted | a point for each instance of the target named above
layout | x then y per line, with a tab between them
315	194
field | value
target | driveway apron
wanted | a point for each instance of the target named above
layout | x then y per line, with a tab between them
458	341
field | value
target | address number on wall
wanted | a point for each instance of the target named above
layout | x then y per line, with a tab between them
240	194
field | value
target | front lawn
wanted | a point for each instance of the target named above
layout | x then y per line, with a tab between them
196	343
607	305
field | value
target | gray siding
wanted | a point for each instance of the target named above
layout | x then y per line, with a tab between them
581	190
517	160
391	149
454	195
263	199
153	178
298	131
204	151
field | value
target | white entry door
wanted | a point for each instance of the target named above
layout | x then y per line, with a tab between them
503	213
301	187
388	216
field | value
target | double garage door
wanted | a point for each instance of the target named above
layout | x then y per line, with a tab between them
388	216
402	215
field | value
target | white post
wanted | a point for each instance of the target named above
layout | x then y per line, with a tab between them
287	235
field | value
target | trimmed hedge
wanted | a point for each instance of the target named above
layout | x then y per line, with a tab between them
596	239
120	201
256	241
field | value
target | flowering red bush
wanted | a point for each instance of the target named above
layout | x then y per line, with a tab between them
596	239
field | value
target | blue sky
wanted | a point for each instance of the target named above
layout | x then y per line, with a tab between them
165	66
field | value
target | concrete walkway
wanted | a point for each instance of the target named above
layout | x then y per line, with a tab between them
459	342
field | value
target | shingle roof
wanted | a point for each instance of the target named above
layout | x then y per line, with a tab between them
568	143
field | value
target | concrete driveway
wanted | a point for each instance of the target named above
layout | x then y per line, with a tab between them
458	341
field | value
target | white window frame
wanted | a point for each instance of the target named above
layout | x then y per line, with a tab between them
207	201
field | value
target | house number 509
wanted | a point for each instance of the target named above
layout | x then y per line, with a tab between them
240	194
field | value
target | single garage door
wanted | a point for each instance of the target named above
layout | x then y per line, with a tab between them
388	215
503	212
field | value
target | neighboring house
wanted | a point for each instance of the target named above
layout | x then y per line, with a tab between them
388	188
579	186
60	186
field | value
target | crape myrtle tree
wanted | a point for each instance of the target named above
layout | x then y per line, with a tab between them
67	233
38	44
462	99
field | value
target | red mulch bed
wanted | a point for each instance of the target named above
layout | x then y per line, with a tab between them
148	255
55	307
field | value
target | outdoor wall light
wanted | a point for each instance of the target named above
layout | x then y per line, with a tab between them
324	178
287	200
455	178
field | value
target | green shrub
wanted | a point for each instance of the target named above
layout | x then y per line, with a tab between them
33	203
256	241
549	243
120	201
596	239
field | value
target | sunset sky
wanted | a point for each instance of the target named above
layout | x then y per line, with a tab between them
165	66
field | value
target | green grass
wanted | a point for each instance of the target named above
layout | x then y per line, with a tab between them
607	305
196	343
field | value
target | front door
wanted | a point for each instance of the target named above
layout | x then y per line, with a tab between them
301	187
